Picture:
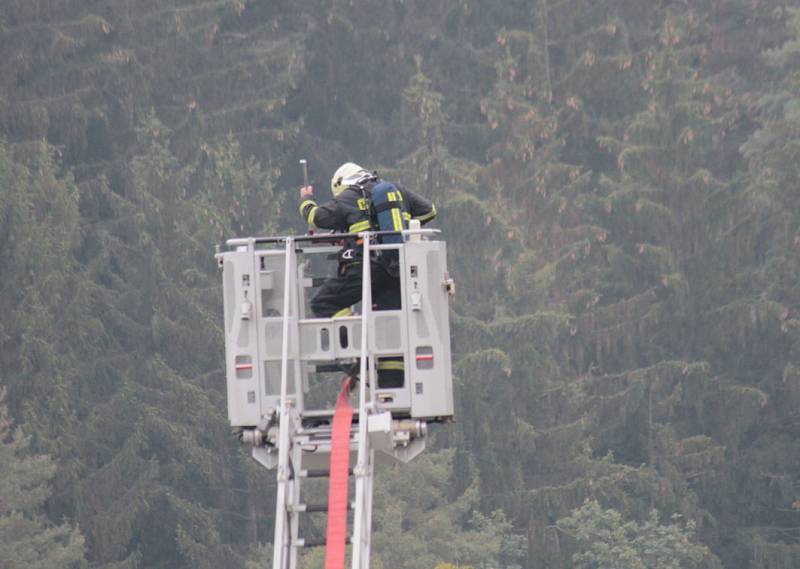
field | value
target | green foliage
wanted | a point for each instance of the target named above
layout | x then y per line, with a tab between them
606	541
161	444
260	557
617	185
415	500
27	538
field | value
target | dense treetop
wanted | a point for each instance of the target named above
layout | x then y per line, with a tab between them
618	184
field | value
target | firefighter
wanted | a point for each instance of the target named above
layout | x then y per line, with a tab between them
348	211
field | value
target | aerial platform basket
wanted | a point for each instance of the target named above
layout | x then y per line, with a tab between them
275	350
267	286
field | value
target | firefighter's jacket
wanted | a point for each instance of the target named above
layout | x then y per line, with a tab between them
349	212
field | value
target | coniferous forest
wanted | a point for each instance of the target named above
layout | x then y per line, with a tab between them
619	185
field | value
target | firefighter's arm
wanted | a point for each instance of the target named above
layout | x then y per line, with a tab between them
419	207
325	216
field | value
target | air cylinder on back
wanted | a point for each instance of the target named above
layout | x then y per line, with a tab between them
389	207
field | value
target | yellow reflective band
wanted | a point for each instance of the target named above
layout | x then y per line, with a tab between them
397	221
358	226
430	215
406	216
343	312
362	204
391	365
304	203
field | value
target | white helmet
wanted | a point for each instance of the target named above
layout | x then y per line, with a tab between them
348	174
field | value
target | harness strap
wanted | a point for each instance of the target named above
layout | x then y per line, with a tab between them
386	206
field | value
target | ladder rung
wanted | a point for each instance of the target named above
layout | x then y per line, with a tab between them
321	507
324	368
324	415
317	414
302	542
320	473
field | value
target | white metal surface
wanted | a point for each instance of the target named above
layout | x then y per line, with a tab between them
364	465
282	552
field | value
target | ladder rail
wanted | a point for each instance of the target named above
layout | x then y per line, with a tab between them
282	546
297	312
363	469
288	499
296	453
294	515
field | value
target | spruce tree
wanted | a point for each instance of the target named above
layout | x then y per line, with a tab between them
27	538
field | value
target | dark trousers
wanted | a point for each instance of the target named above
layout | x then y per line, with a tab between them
343	291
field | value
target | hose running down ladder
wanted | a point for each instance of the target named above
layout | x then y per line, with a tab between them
338	480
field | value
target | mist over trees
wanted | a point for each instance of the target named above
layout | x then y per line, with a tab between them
618	183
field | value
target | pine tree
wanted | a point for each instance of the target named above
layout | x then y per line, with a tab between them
616	184
27	538
164	437
449	181
420	523
766	264
606	540
48	337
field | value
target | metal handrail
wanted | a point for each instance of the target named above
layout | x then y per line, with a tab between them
238	241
